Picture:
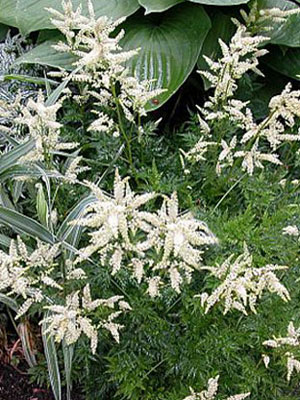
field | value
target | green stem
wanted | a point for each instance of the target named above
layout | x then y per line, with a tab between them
228	192
122	129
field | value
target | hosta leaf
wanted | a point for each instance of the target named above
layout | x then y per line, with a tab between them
52	361
171	43
283	33
158	5
287	63
222	28
220	2
162	5
30	15
68	352
44	54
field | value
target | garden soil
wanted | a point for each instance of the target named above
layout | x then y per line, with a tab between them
16	386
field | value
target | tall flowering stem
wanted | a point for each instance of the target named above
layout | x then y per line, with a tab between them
121	100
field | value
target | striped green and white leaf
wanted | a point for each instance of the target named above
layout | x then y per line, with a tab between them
31	15
163	5
11	303
52	361
24	334
25	225
19	171
10	158
72	233
68	352
4	240
28	79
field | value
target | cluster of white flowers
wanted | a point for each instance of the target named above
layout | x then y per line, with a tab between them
33	277
290	342
115	218
242	284
211	392
124	234
27	274
100	64
239	57
69	321
291	230
267	20
180	239
41	122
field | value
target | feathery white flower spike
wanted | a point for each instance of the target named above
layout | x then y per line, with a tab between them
211	392
242	284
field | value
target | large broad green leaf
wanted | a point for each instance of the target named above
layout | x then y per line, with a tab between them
30	15
220	2
222	28
158	5
163	5
171	43
287	63
283	33
44	54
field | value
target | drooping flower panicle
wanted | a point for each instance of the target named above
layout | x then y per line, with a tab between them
242	284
